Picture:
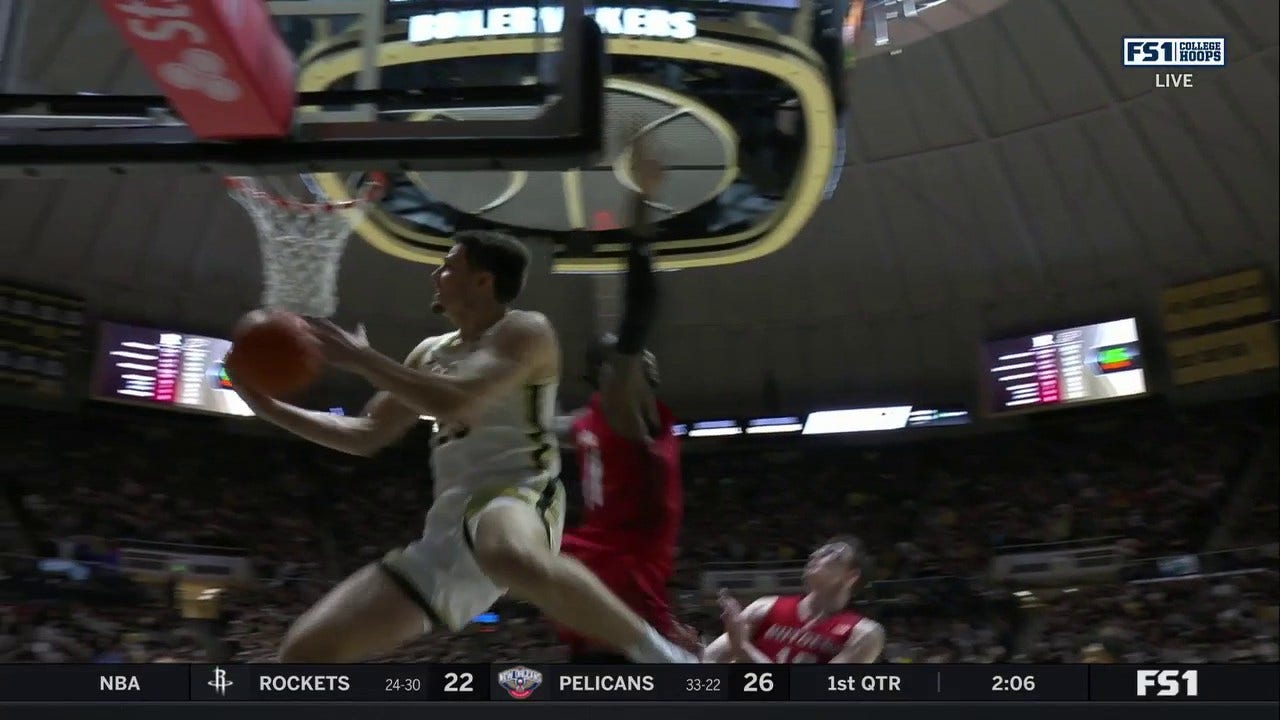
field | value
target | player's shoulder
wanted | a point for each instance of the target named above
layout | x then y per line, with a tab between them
420	351
866	628
528	321
761	606
523	329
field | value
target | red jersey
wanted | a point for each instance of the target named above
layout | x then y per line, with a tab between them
631	491
633	503
785	638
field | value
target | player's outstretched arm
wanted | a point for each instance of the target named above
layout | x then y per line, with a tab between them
520	343
625	395
734	646
383	421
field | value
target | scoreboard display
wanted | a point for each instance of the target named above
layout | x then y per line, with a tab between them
1074	365
165	368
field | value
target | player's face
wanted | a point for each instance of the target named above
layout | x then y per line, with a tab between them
830	568
454	280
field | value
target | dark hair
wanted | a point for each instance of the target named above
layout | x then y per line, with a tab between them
499	254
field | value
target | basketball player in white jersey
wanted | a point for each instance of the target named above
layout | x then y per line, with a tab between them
499	509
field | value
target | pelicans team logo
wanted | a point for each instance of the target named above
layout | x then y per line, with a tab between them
520	681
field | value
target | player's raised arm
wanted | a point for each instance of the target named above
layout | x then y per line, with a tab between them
383	421
625	394
865	644
734	645
520	343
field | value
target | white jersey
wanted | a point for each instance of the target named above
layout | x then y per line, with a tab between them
511	440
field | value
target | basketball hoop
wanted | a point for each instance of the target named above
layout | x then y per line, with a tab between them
302	241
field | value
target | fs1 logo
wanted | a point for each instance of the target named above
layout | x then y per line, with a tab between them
1170	683
1175	52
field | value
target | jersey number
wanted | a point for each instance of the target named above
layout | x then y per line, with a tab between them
785	656
593	478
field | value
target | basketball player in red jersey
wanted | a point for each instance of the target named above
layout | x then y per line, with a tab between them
632	498
811	628
629	459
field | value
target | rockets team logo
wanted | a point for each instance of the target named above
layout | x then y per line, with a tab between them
519	681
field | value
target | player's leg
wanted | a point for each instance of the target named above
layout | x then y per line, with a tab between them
515	543
366	615
389	603
611	567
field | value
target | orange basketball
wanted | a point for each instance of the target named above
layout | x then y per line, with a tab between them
274	353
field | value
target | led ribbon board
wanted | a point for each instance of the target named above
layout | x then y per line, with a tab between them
517	21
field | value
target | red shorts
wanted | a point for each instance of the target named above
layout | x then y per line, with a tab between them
637	581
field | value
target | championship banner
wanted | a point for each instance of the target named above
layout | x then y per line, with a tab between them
1217	301
1223	354
222	65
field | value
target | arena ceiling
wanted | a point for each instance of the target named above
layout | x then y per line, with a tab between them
1005	173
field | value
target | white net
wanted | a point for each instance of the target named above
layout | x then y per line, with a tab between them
302	242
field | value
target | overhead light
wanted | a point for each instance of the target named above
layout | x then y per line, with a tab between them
769	426
774	429
852	420
715	428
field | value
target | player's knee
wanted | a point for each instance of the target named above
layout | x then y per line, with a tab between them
511	563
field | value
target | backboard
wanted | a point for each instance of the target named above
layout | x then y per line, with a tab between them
251	87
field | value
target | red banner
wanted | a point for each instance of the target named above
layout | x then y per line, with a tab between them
221	63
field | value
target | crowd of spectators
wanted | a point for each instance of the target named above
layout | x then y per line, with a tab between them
932	511
1216	619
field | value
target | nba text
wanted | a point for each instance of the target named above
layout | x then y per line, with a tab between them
1168	683
119	683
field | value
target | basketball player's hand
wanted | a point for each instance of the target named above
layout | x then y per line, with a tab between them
731	616
254	399
342	349
687	638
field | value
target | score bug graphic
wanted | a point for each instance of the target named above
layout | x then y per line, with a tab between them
520	681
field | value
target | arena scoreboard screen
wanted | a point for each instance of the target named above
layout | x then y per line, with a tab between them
150	366
546	690
1083	364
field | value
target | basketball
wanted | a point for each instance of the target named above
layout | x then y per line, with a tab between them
274	353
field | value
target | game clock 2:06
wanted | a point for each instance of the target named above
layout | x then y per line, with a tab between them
1013	683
